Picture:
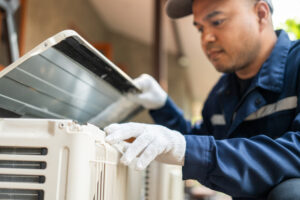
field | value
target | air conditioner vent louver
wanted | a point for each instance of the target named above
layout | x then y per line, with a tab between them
22	178
19	176
18	194
22	164
23	151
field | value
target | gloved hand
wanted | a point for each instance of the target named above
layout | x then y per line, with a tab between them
152	96
152	142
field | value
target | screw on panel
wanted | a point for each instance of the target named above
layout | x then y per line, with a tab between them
61	125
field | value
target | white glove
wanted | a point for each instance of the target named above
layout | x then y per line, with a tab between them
152	142
152	96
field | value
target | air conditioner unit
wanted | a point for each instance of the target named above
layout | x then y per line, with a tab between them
63	78
44	159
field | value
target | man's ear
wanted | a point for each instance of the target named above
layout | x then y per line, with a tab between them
263	13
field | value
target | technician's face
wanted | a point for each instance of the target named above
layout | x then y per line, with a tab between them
229	32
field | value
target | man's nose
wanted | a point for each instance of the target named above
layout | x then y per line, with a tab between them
208	37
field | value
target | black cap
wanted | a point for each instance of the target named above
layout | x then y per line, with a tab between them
181	8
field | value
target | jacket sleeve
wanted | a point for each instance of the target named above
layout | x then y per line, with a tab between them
243	167
172	117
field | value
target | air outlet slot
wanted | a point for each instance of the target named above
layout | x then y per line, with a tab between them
23	151
22	178
22	164
16	194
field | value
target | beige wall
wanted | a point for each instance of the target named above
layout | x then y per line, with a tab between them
45	18
179	89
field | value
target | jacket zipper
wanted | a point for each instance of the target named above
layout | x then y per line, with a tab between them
240	102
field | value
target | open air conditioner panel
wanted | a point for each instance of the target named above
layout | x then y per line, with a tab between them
65	78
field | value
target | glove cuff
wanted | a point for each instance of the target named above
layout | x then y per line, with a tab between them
177	150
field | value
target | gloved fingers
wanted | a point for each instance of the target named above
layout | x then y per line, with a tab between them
145	96
119	132
111	128
136	148
139	98
143	81
149	154
134	98
130	126
126	146
122	146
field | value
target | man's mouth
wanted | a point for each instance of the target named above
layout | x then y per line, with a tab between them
213	54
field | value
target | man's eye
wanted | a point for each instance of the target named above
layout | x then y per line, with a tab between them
218	22
200	29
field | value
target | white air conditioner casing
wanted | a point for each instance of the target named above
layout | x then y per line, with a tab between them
46	159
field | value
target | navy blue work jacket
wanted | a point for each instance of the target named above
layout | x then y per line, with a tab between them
246	145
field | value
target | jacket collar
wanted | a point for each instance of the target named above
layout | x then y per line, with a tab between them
271	74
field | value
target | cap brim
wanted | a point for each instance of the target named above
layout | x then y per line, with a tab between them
178	8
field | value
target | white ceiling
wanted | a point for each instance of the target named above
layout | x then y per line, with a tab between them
134	18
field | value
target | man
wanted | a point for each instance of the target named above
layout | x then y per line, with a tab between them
248	144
